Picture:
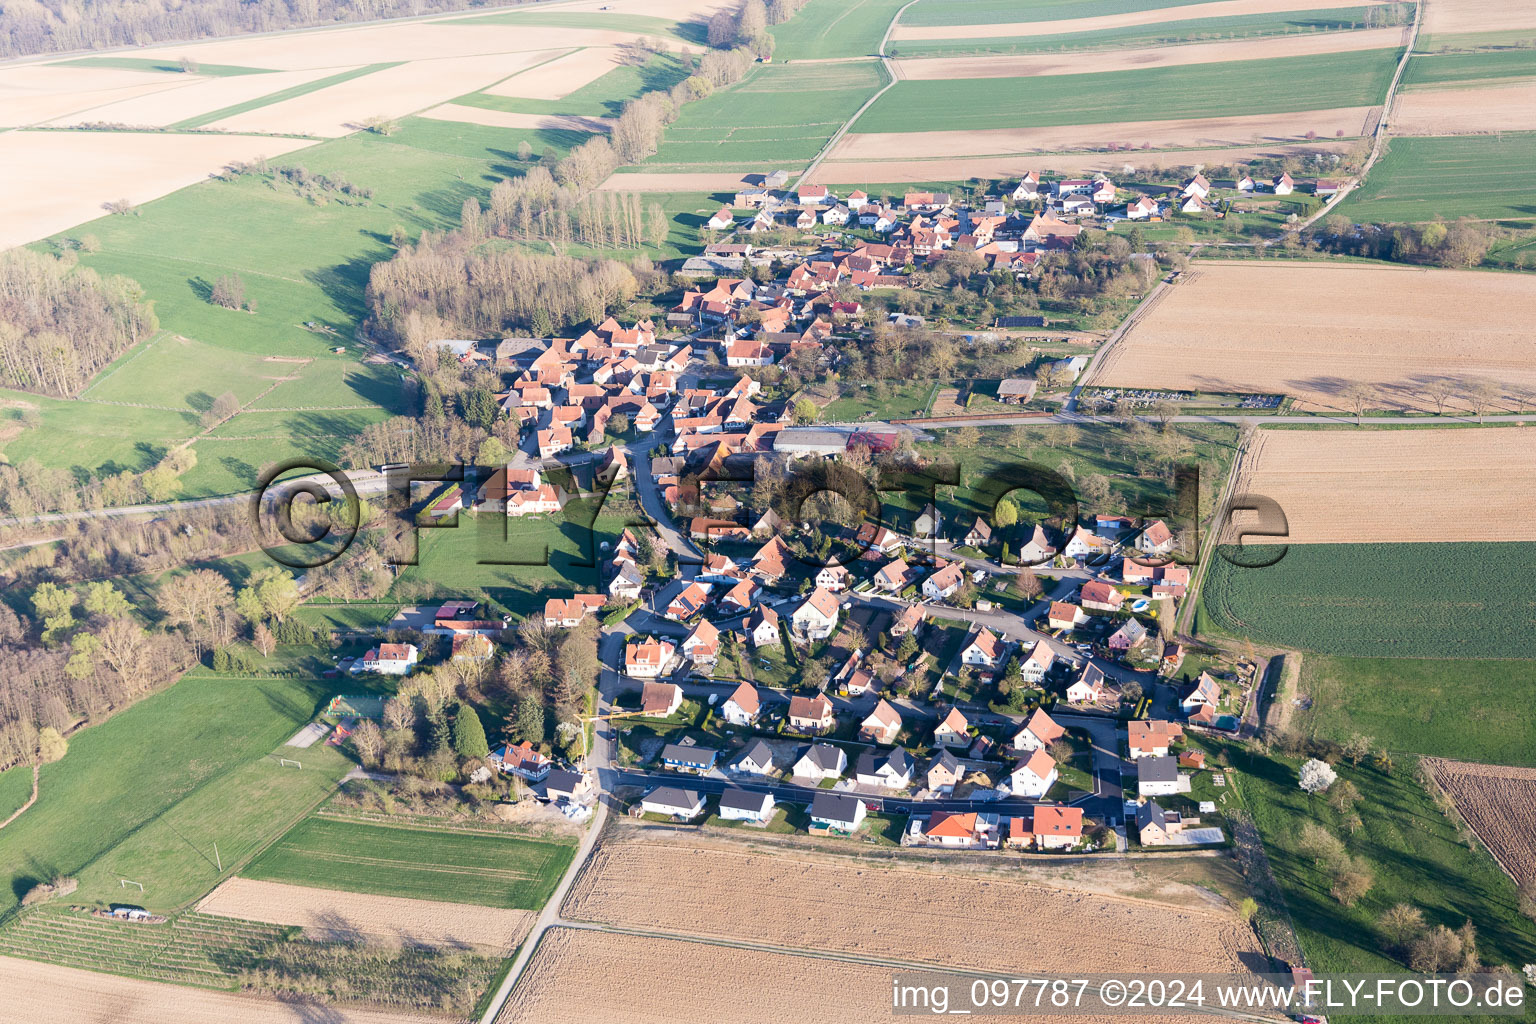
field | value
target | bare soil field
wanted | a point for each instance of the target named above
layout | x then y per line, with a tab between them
1505	108
861	172
682	10
1188	12
1193	132
1500	805
190	96
700	181
1311	330
56	180
1135	59
33	93
1350	486
560	76
338	916
1476	16
507	119
392	92
41	993
867	909
578	976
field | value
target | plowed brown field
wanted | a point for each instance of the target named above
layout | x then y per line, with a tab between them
885	911
1475	16
1311	330
1500	805
1351	486
1505	108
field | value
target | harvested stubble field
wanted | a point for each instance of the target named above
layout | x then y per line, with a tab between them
794	902
507	119
1500	805
30	93
1350	486
187	96
1133	58
1466	111
577	976
938	21
328	915
1310	330
1448	16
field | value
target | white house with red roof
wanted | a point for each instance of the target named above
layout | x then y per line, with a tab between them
1152	738
953	730
553	441
832	577
1205	693
1156	539
983	650
1033	776
817	615
1065	615
813	195
762	626
1089	686
648	659
1099	596
567	613
881	725
388	660
742	706
1038	733
1039	662
722	220
521	760
702	646
944	582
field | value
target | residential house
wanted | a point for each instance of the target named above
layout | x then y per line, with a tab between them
835	813
1038	733
1196	186
979	535
1055	828
572	787
1084	544
1192	759
909	620
816	617
812	195
1156	539
1143	208
763	626
767	524
890	769
874	537
748	353
1038	550
819	762
893	576
1099	596
961	830
520	760
1065	615
1173	658
1204	693
688	757
1194	204
689	602
1129	635
702	646
944	582
742	596
882	725
857	200
982	650
1028	188
757	760
673	802
1158	776
722	220
811	714
740	805
1034	668
859	682
567	613
388	660
1111	527
1089	686
1033	776
627	582
1154	825
1282	185
953	730
943	773
1103	190
742	706
472	647
837	216
832	578
1152	738
660	700
1245	184
928	522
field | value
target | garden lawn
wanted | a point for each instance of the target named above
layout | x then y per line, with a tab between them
861	402
1419	179
513	872
834	28
1314	82
1468	710
1380	600
146	794
1414	852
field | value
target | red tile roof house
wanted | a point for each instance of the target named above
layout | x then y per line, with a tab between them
660	700
702	646
1033	775
984	650
742	706
689	602
568	613
1039	662
1206	693
521	760
953	730
1152	738
649	659
1047	828
811	714
1038	733
722	219
882	725
893	576
817	615
1099	596
1088	688
762	625
1065	615
388	659
944	582
962	830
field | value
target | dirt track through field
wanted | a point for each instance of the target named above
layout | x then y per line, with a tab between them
1500	805
506	119
1312	330
1352	486
1136	59
870	910
1189	132
1188	12
338	916
40	993
1469	111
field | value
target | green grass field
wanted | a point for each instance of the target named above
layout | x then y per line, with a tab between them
15	789
438	864
148	64
1470	709
147	794
990	12
605	96
1380	600
1246	26
834	28
1477	176
1444	68
778	113
1315	82
1416	857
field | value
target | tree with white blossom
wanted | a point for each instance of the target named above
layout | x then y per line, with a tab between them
1317	776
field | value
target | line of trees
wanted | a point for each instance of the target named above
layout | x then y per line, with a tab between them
61	322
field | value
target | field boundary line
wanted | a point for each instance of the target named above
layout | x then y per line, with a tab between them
36	771
151	343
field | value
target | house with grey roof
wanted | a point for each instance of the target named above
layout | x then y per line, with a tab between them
835	813
740	805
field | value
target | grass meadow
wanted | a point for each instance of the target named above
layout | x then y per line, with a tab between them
994	12
1465	709
778	113
834	28
1380	600
1167	33
513	872
1419	179
1475	68
147	794
605	96
1315	82
277	96
15	789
